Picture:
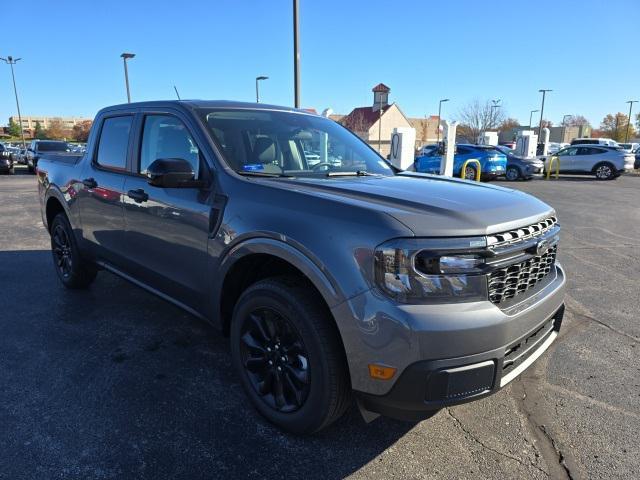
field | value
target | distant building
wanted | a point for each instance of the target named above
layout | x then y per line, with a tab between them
29	122
556	134
374	124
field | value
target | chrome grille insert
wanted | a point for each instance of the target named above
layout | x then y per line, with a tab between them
507	282
520	234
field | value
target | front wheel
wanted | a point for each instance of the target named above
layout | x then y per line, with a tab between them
287	352
605	171
512	174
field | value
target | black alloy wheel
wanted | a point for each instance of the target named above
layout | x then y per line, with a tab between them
61	247
275	359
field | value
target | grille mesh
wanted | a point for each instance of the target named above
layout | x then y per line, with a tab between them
521	234
507	282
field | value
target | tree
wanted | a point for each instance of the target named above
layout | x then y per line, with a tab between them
615	127
547	123
39	132
508	124
81	131
14	129
576	121
57	130
478	117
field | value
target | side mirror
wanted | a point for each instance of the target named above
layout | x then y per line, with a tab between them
172	173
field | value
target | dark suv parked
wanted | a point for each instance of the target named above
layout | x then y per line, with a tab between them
336	278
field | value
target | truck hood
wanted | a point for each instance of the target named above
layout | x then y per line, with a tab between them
431	205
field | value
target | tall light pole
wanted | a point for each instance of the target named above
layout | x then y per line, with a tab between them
439	112
630	102
12	61
544	93
491	114
296	55
261	77
125	57
564	126
531	117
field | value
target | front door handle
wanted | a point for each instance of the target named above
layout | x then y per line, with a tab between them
138	195
90	183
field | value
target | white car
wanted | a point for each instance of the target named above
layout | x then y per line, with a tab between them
595	141
630	147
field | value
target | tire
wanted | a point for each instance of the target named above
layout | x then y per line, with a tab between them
307	388
605	171
470	172
73	271
513	174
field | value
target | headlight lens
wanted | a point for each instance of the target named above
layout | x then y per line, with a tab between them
432	270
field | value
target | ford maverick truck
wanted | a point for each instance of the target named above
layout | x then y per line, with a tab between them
337	278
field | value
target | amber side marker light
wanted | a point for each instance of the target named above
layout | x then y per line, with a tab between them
381	372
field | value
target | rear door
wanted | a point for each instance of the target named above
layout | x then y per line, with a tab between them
167	229
102	179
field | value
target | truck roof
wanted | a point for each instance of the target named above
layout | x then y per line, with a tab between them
206	104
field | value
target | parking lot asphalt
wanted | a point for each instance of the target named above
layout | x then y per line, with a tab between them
113	382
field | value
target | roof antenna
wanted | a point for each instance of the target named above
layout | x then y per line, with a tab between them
177	94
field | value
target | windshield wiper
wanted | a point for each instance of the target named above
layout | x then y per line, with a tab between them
261	174
358	173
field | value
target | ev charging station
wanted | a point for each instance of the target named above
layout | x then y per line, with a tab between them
449	141
488	138
526	144
403	141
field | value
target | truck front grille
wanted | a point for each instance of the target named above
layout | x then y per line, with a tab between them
507	282
521	234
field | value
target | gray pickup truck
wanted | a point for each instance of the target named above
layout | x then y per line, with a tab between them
336	280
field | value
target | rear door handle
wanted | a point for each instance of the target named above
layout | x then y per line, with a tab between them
138	195
90	183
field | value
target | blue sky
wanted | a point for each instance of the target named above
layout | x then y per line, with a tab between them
586	51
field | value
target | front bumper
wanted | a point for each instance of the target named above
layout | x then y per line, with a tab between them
466	343
426	386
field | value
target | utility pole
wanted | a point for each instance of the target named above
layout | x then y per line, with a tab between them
296	55
439	112
12	61
125	57
630	102
261	77
544	93
491	113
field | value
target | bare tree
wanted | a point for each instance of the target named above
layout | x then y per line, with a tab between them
575	121
476	117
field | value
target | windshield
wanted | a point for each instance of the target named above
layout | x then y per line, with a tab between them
289	144
52	147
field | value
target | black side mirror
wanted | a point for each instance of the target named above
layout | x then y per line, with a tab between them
172	173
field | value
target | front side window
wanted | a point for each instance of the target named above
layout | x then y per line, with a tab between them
289	143
165	136
567	152
114	142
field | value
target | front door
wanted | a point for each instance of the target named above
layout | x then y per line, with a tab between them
101	189
166	229
567	158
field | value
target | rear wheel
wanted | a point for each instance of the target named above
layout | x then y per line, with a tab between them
470	172
73	271
605	171
287	351
512	174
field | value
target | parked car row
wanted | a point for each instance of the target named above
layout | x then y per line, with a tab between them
6	159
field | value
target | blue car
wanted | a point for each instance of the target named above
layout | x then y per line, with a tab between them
493	162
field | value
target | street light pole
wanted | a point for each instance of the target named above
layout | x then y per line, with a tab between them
491	113
544	93
125	57
531	117
564	127
261	77
630	102
439	112
296	56
12	61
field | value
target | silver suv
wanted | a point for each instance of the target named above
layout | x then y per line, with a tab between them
606	163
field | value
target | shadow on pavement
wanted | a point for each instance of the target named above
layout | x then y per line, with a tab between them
114	382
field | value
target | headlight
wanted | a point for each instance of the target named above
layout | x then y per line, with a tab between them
432	270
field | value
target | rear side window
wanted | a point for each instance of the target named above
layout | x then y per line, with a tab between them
114	142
